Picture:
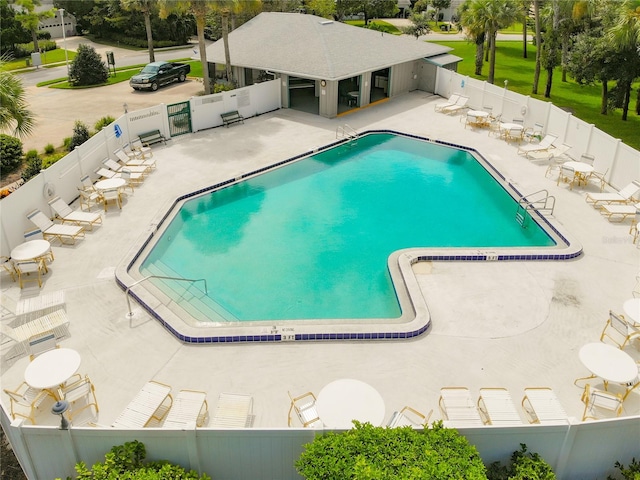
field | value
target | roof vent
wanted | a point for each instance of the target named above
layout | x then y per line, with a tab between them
326	22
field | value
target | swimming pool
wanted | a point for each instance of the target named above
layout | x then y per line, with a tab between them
269	245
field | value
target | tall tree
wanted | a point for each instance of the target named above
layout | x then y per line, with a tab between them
624	37
15	115
496	14
372	8
469	14
147	8
536	72
439	5
30	19
526	5
550	44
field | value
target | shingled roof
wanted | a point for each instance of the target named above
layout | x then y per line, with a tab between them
314	47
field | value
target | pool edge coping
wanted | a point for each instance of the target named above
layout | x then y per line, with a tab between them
415	319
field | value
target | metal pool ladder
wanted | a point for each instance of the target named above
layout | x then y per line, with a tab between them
540	201
346	131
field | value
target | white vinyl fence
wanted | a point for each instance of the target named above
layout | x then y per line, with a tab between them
620	161
575	451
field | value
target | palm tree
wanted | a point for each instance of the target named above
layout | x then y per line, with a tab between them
226	8
624	37
536	73
146	7
199	9
469	14
496	14
13	105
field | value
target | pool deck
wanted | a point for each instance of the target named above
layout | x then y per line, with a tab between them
494	324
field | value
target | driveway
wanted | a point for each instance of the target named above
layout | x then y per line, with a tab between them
57	110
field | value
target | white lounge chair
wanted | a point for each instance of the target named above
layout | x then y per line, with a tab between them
305	407
104	173
132	160
189	406
409	417
541	406
453	99
57	322
497	408
459	105
54	230
545	144
152	402
629	194
617	212
66	214
458	408
137	146
233	410
117	167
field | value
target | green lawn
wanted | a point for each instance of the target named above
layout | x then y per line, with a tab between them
52	57
584	101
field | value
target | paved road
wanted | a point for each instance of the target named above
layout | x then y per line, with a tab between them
57	110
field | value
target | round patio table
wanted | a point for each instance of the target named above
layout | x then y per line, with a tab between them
632	310
51	369
344	400
110	184
29	250
608	362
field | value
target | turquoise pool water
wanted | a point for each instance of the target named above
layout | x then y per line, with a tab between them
311	240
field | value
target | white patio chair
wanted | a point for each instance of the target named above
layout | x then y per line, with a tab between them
107	196
31	271
146	152
458	408
541	406
189	406
497	408
81	396
25	401
597	400
534	133
41	343
7	265
305	407
618	331
409	417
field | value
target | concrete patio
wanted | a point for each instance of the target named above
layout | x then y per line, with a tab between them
494	324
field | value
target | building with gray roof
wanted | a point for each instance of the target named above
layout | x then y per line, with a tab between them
328	67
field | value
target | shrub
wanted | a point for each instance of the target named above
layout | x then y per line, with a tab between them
10	153
368	452
66	143
103	122
631	473
49	149
223	87
80	135
34	165
126	461
25	49
524	466
87	67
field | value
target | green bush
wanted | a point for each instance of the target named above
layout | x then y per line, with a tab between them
368	452
103	122
34	165
49	148
524	466
631	473
87	67
125	462
80	135
26	49
10	153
